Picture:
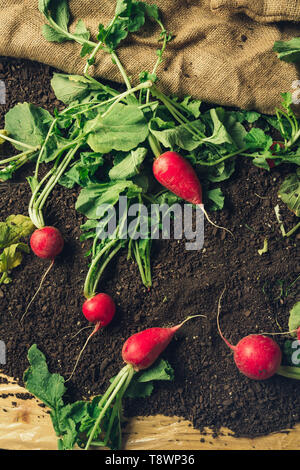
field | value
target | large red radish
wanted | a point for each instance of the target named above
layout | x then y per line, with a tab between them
139	352
256	356
142	349
177	175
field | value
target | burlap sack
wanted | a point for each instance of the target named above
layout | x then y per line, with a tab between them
220	59
265	11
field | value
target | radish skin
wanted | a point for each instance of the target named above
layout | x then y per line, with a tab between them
47	242
177	175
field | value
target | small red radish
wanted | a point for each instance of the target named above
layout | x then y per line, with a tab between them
47	242
142	349
298	333
256	356
177	175
270	161
99	310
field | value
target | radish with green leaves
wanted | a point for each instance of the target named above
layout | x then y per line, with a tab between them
139	352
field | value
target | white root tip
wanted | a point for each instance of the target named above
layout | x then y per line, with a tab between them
212	223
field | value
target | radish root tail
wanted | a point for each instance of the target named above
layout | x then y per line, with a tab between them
218	321
212	223
97	326
37	291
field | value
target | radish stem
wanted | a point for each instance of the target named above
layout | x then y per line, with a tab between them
124	377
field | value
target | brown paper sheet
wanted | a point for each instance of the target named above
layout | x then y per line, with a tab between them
24	425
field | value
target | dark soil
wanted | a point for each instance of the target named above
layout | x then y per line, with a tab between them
208	389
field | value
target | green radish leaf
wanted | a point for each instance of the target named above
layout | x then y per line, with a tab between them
14	228
60	13
40	382
139	390
142	384
50	388
82	171
257	139
287	100
123	128
221	172
289	192
294	319
152	11
122	6
94	195
86	49
10	258
192	106
43	6
51	35
161	370
220	134
28	124
128	166
251	116
216	199
82	31
171	136
289	51
69	88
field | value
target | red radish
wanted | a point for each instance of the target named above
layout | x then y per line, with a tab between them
47	242
99	310
256	356
270	161
298	333
177	175
142	349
